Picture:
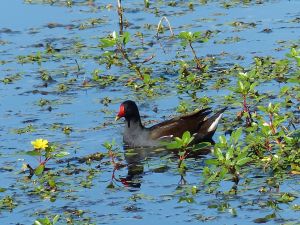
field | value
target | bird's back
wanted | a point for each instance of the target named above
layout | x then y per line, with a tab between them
178	125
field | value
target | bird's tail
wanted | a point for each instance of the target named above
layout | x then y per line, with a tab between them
208	127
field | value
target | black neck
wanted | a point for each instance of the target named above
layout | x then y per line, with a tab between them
134	122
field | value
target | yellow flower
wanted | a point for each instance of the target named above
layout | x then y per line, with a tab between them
40	144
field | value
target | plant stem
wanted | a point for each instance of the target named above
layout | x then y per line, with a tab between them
159	24
120	13
199	65
31	170
273	129
249	119
182	180
131	64
119	46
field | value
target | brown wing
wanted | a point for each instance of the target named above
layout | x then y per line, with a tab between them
178	125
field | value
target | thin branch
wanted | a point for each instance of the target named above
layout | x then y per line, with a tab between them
120	13
78	67
199	65
149	58
131	64
31	170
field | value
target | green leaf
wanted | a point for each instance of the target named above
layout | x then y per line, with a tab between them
186	199
262	108
236	135
173	145
211	178
243	161
125	38
242	154
270	107
294	52
43	221
233	212
241	85
51	183
110	186
265	219
108	53
223	140
184	43
218	154
184	35
190	140
39	170
197	34
298	60
284	89
223	172
201	146
55	219
186	136
33	153
146	78
106	42
229	153
179	140
147	3
181	153
252	86
61	154
211	162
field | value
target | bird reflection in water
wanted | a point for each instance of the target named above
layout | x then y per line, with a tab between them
136	158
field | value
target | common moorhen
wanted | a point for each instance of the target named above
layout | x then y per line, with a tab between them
197	123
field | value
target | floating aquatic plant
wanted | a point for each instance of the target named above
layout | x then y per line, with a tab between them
43	151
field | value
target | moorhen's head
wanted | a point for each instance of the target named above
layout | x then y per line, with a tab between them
129	110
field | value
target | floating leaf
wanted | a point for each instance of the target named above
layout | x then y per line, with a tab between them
33	153
43	221
186	199
110	186
61	154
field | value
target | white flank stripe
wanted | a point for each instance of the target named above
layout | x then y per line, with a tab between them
167	136
214	125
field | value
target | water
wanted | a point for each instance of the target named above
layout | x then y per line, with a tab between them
155	197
